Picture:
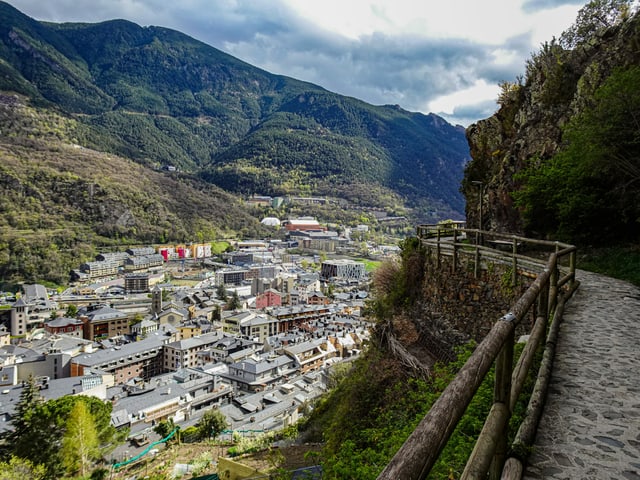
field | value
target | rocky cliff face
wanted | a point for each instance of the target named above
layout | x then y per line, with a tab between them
527	128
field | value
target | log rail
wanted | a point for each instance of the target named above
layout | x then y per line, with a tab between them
554	283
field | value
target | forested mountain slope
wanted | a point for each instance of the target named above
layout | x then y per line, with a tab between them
162	98
61	202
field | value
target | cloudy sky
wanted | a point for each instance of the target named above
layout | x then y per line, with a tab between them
447	56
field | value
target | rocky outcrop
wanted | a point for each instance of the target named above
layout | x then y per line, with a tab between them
527	128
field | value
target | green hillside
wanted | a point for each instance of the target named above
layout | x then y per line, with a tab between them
162	98
61	202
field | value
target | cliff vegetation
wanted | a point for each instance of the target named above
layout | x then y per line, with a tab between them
560	157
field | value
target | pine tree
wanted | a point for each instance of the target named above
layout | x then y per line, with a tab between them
25	413
221	292
35	436
234	302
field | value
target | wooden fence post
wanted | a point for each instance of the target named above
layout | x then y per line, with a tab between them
553	289
490	450
455	250
502	395
438	248
514	275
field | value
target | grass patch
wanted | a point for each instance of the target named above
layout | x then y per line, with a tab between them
369	265
622	262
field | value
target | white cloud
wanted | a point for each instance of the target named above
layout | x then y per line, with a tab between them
479	92
423	55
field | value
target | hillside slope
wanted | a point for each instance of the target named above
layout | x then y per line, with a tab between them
162	98
60	202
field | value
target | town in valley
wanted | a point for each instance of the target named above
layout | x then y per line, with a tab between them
170	331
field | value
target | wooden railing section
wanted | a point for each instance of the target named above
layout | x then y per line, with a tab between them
554	283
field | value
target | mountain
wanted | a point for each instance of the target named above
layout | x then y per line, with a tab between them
559	159
61	202
161	98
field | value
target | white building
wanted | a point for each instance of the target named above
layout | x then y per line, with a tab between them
344	269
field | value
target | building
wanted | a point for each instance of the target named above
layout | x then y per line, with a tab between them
144	328
230	277
136	282
303	224
102	322
255	326
343	269
184	353
297	316
156	300
311	355
230	349
173	316
142	359
19	318
143	263
256	374
63	325
317	298
140	251
270	298
176	396
261	271
116	257
100	269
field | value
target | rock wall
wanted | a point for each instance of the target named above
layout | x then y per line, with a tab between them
458	307
527	128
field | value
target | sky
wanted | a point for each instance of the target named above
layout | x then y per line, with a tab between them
446	57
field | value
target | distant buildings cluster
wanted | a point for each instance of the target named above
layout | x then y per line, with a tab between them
157	351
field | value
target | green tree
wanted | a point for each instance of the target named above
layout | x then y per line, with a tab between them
61	408
221	292
212	423
39	427
593	18
71	311
234	302
80	441
20	468
35	436
165	427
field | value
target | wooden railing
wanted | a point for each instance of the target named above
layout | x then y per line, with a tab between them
554	283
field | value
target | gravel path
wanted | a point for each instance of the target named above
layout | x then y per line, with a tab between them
590	429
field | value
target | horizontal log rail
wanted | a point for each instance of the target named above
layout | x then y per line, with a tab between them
545	297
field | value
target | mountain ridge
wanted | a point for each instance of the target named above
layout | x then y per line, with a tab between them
194	103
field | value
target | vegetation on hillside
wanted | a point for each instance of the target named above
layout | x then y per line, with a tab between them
559	159
376	404
164	99
589	192
61	203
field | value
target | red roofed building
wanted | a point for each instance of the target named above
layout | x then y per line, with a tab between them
303	224
68	326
